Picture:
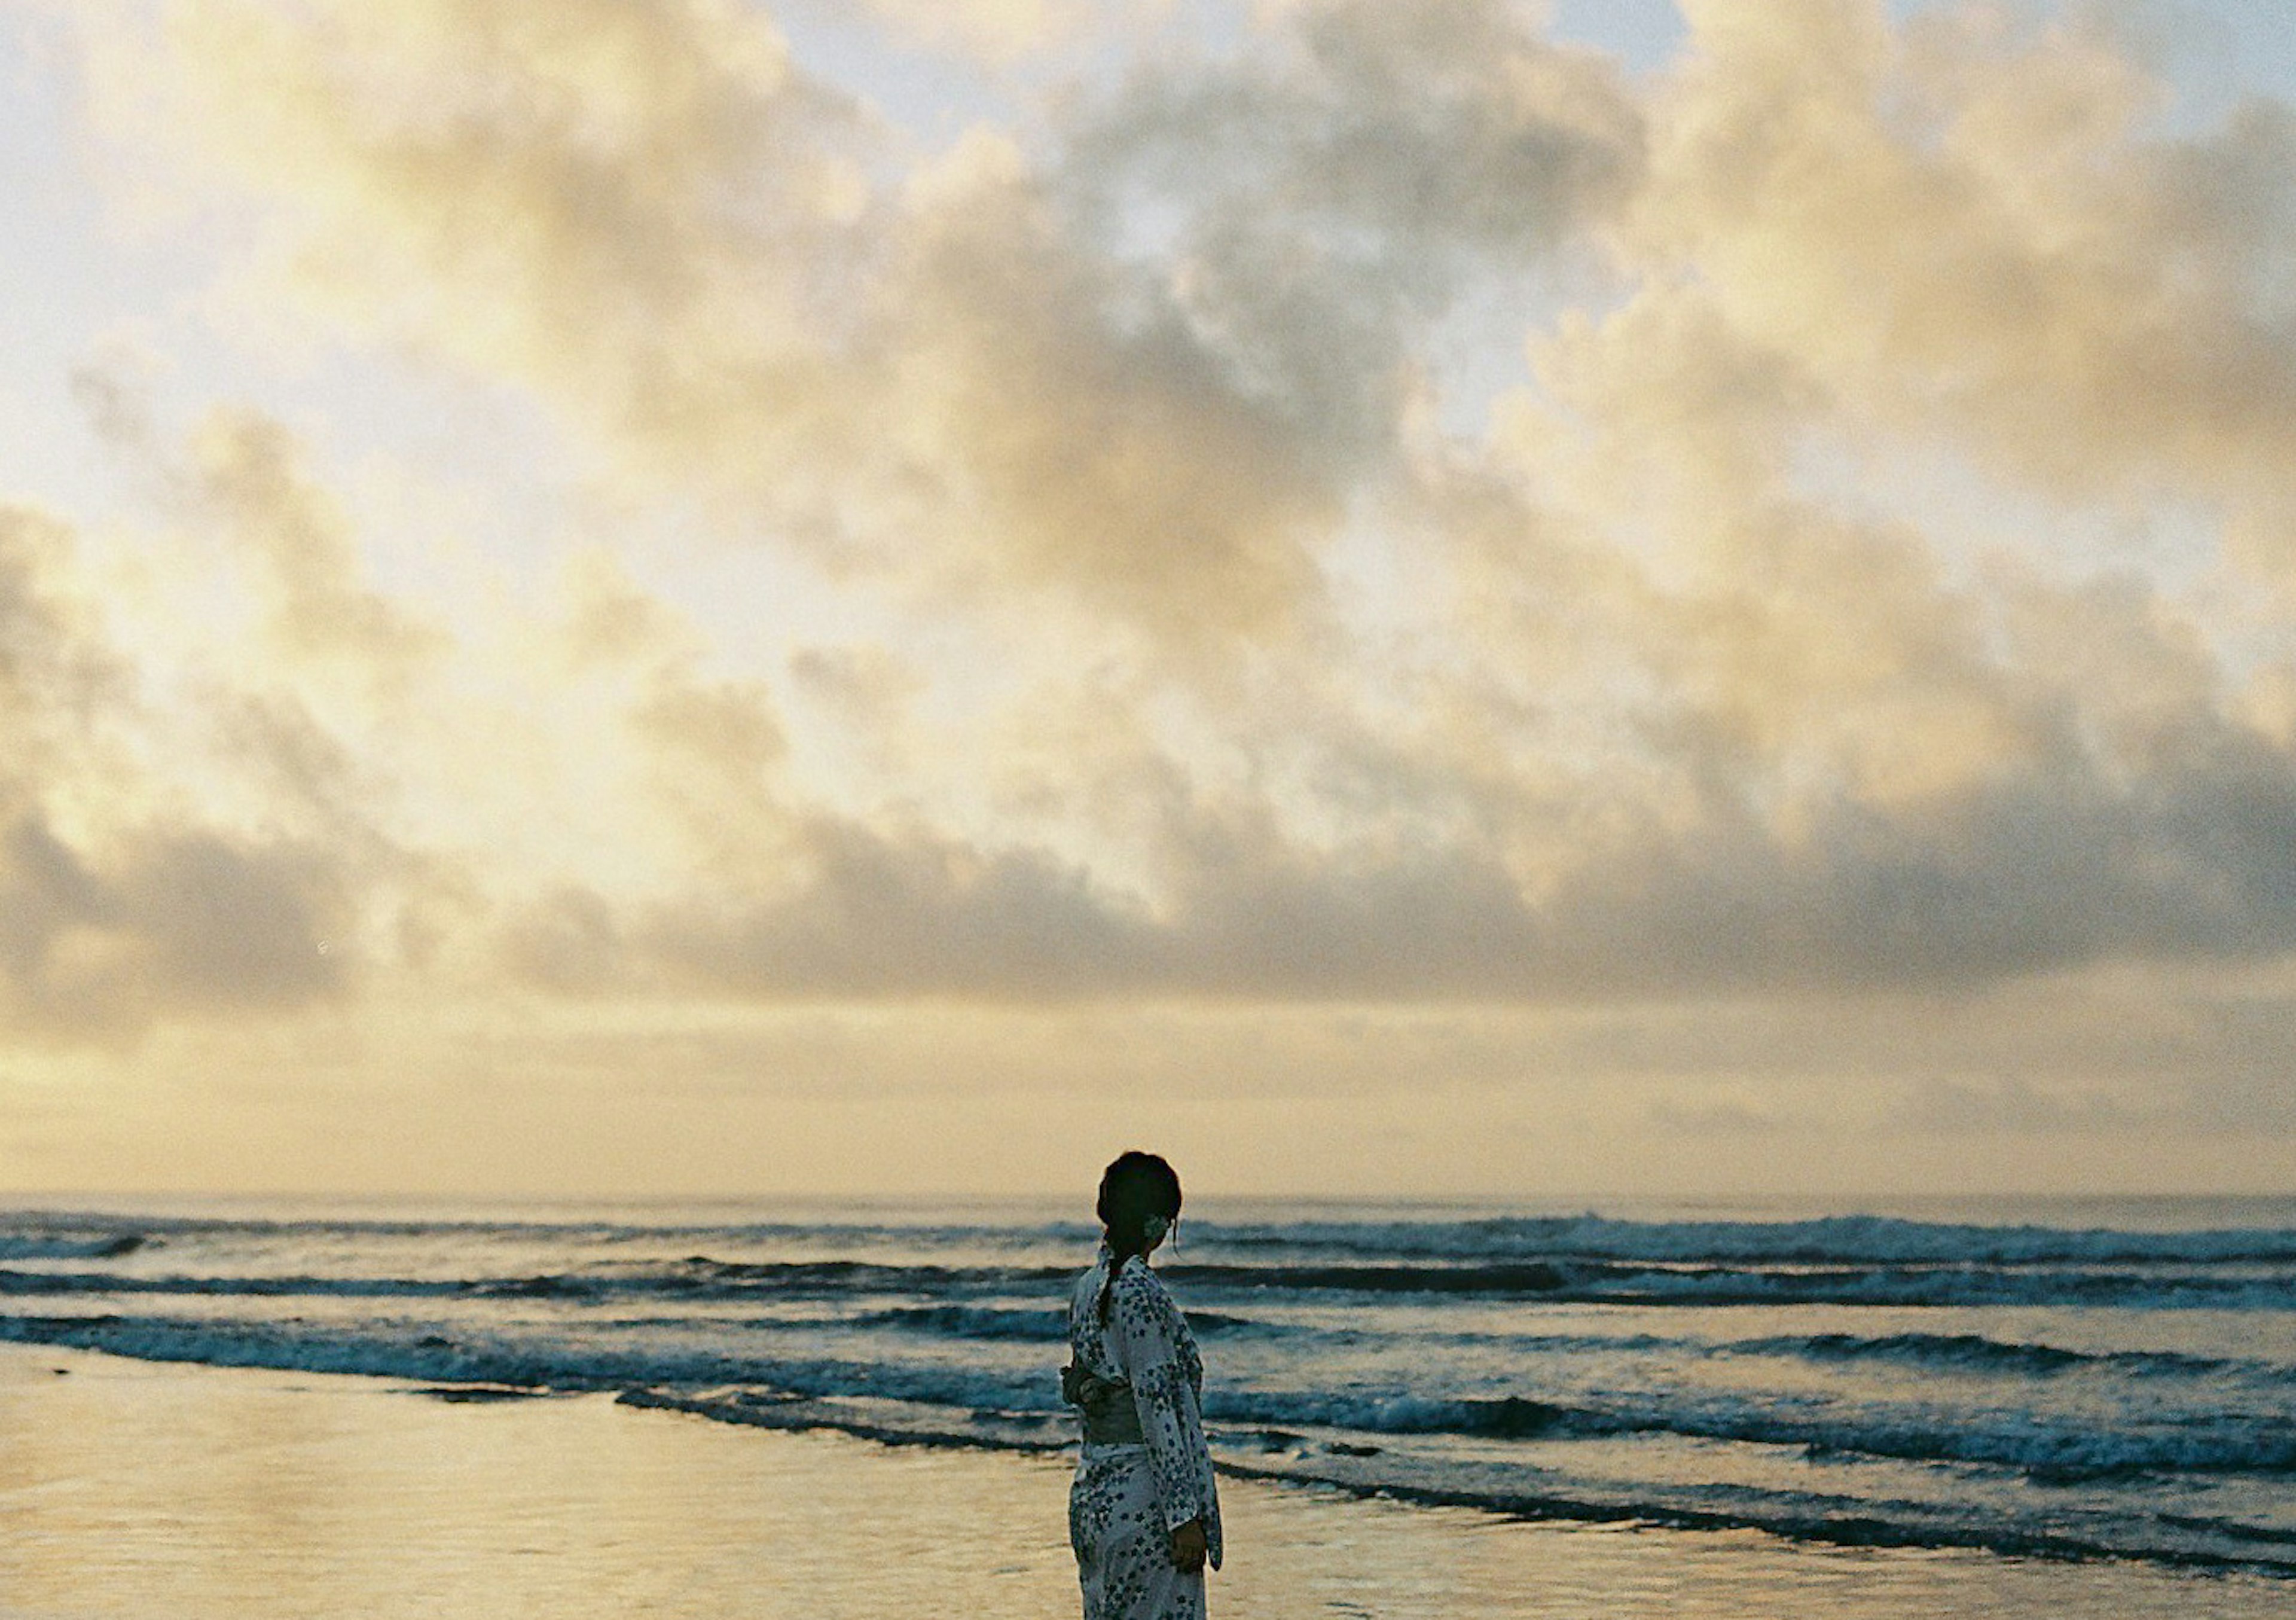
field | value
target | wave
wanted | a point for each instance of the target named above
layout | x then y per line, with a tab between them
2062	1448
1403	1356
2193	1541
1041	1327
421	1352
69	1244
1832	1240
1966	1353
2198	1542
1616	1283
863	1235
1047	1325
2047	1449
1957	1351
1589	1258
702	1278
56	1284
1974	1353
695	1277
1828	1240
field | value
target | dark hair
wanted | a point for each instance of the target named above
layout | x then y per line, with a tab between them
1135	1187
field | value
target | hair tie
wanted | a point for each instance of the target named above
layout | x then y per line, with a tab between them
1152	1226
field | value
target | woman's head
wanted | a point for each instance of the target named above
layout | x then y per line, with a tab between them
1139	1200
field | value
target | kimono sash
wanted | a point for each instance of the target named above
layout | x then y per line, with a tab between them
1109	1416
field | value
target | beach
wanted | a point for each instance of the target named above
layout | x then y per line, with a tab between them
137	1489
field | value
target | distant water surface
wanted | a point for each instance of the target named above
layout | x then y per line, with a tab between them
2102	1381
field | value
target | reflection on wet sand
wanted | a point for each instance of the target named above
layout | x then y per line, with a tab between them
129	1491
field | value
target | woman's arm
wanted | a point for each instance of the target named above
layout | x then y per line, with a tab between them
1143	1330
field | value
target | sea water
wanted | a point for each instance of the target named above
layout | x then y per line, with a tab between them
2111	1382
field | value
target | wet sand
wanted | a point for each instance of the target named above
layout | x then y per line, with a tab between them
131	1490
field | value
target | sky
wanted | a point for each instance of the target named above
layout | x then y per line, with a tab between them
674	597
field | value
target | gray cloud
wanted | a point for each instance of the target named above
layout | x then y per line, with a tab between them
1331	189
173	922
2017	1107
54	675
2031	876
248	468
168	848
104	927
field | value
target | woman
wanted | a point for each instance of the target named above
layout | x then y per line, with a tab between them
1144	1515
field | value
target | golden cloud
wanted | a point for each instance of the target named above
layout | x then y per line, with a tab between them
1201	647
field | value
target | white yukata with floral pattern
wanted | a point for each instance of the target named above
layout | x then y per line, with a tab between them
1128	1497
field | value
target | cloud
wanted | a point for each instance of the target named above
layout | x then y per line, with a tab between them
1975	231
1946	895
1331	191
868	685
2016	1107
56	678
1335	561
1708	1119
113	915
247	469
995	31
1074	430
1214	656
634	206
173	922
610	620
645	210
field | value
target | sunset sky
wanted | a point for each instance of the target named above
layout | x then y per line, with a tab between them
1398	597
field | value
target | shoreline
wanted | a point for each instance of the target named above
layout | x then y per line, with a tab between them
1847	1530
1811	1518
131	1488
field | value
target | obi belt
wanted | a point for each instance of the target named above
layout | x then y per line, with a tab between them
1109	1416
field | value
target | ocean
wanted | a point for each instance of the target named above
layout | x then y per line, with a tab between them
2112	1381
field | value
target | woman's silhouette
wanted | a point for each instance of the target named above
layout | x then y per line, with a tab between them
1143	1514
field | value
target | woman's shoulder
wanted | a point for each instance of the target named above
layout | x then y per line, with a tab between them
1088	1281
1138	1285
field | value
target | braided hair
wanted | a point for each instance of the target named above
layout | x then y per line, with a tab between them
1139	1199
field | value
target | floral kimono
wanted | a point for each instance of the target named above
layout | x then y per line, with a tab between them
1130	1493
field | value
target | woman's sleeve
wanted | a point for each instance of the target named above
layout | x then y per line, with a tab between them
1170	1422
